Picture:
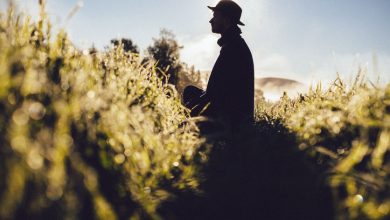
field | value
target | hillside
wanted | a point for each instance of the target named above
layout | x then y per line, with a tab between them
273	88
269	83
276	82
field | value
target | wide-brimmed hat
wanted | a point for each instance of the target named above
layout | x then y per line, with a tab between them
229	8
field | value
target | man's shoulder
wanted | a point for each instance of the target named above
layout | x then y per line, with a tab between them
236	46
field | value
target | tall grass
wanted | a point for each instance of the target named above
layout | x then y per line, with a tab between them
345	130
96	135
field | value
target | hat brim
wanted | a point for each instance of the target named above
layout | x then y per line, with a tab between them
240	23
213	9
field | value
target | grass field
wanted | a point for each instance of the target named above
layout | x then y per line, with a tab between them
99	136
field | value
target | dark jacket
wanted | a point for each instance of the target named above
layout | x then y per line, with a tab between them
230	89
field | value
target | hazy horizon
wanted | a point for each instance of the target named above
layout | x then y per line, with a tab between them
307	41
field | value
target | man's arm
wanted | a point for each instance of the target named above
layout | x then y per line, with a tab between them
202	107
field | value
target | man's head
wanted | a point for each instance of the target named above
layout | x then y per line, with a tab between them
226	13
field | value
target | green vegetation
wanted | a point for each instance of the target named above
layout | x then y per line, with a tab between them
346	132
165	52
99	135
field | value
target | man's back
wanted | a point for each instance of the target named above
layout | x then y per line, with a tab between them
231	84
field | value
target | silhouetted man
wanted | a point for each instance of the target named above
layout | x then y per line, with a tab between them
229	96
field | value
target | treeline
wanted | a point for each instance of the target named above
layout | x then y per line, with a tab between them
165	53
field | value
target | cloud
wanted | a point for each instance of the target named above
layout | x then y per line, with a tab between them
200	51
254	13
272	64
278	65
373	66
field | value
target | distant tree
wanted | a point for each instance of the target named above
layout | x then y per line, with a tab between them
128	45
165	50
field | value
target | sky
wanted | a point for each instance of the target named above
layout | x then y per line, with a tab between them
304	40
